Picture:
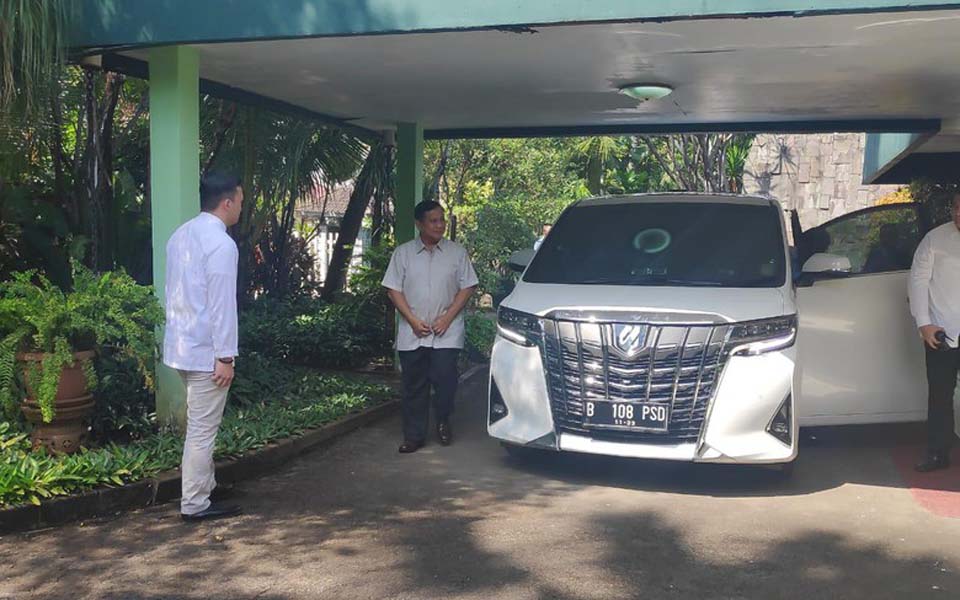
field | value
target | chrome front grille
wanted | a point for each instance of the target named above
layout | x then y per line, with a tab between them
676	365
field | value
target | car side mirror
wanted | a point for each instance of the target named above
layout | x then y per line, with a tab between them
824	266
520	259
827	263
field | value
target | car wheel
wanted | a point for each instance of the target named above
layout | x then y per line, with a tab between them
518	452
784	471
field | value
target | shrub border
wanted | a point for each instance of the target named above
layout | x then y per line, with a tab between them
165	486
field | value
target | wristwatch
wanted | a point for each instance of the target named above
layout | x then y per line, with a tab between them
226	361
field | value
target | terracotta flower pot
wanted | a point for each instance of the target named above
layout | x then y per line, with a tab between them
72	405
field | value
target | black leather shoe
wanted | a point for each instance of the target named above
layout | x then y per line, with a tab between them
934	462
221	492
407	447
214	511
444	433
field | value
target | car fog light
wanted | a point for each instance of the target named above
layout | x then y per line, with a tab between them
781	425
498	408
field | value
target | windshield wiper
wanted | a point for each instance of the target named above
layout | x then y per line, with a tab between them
758	282
653	280
680	281
602	281
696	283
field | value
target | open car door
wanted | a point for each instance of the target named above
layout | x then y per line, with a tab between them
860	357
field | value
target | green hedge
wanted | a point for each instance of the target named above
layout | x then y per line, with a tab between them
302	401
481	329
311	332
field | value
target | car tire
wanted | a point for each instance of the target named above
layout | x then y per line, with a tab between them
518	452
784	471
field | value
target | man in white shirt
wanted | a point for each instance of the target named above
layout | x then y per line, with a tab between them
429	280
935	305
200	335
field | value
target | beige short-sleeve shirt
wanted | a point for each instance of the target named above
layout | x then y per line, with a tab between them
429	280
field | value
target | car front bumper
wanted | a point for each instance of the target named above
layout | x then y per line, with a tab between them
750	392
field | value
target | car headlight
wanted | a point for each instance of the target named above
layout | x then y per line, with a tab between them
767	335
518	327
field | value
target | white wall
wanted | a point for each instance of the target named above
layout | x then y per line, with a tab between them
322	248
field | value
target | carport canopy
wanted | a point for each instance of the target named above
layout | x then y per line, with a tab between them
502	68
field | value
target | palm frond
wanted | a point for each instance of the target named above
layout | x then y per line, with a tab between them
32	50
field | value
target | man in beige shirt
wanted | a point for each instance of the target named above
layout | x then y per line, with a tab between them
429	280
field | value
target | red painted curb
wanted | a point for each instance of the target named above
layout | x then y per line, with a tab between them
937	492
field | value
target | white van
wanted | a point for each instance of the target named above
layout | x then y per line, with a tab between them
672	326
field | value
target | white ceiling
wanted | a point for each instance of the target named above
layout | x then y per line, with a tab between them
890	65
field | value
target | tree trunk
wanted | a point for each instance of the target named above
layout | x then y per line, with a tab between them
91	170
376	229
381	199
243	230
66	200
433	190
227	114
456	199
282	232
110	229
352	220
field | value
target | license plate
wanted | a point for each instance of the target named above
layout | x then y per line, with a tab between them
626	415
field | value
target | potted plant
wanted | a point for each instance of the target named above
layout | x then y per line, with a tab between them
49	338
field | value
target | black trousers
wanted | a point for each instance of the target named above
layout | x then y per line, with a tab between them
942	368
422	369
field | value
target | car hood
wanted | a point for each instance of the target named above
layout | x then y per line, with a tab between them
725	304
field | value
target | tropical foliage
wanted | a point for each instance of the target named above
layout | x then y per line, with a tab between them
499	192
109	310
296	402
31	51
936	197
481	329
312	332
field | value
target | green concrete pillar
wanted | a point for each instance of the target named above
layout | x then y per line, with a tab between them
174	181
409	189
409	178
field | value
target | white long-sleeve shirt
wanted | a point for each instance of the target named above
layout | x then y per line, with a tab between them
934	287
200	295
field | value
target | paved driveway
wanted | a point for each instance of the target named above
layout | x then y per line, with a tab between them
357	520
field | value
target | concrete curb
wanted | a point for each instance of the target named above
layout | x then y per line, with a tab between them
469	372
165	486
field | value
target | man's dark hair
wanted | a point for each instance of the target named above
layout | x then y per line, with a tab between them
424	207
214	187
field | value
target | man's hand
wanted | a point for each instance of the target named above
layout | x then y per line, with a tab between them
441	325
223	374
929	333
420	328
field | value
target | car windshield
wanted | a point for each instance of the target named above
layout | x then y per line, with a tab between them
664	244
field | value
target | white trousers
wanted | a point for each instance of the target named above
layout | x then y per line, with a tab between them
205	403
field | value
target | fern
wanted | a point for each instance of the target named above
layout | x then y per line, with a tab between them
53	364
8	374
107	310
89	374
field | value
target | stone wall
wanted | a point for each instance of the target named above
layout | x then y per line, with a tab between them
820	175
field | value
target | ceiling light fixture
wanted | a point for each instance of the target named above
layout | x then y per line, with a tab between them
645	91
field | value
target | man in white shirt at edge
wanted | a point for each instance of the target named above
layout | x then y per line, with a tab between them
935	304
200	335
